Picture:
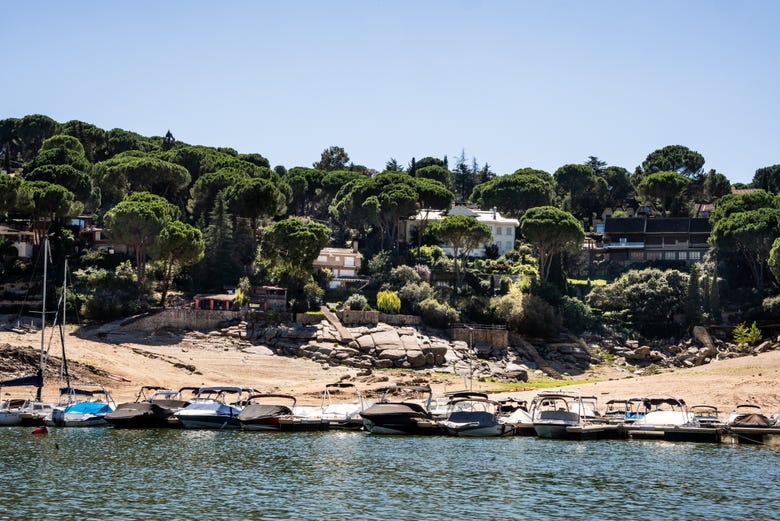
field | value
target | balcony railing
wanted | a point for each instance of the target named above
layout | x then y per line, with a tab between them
623	244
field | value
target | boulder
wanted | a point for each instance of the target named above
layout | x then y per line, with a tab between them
703	337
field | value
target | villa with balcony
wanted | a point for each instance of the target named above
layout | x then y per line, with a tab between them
640	239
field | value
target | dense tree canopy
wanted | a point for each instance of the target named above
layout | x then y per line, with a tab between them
665	190
674	158
381	201
137	222
290	247
550	230
463	233
514	194
647	299
178	244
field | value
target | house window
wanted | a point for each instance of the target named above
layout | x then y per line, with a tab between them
499	230
670	255
694	255
653	255
682	255
636	255
322	258
508	245
509	230
349	261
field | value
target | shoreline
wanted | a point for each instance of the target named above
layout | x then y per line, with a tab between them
129	361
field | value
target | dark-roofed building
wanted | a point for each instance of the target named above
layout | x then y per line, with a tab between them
640	239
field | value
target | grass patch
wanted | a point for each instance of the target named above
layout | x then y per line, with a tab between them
584	282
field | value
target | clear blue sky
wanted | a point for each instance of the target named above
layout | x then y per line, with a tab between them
515	84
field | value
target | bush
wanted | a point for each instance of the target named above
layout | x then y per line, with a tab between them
357	302
648	298
402	275
577	316
431	254
771	307
749	335
388	302
379	267
105	295
314	294
423	271
525	314
412	295
437	314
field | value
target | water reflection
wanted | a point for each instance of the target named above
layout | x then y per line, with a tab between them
167	474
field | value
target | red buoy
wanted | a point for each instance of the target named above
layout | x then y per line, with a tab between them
41	430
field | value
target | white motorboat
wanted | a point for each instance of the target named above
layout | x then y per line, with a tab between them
475	417
215	407
342	415
9	411
565	415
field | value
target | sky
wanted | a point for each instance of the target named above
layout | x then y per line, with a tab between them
513	84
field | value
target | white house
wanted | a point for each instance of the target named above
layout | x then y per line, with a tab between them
503	229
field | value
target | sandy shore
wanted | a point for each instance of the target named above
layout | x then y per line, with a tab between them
125	361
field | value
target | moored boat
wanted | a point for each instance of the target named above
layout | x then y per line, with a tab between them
562	415
258	415
155	410
475	417
401	416
85	406
342	414
215	407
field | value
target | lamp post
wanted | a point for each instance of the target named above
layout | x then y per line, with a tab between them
471	349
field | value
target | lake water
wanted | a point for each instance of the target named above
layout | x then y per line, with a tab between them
101	473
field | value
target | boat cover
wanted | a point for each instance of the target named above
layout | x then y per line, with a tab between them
259	411
751	420
88	408
34	380
394	409
125	411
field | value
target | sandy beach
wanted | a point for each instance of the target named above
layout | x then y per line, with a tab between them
125	361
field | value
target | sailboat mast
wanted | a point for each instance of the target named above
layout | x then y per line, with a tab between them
43	319
62	324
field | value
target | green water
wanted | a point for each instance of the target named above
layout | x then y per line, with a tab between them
81	474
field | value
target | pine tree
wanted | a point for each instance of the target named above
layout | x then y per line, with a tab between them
706	298
715	298
693	301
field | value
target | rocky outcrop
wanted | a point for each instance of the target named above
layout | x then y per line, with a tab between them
701	348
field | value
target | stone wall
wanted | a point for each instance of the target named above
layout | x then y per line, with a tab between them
400	320
350	317
309	318
493	337
372	318
183	318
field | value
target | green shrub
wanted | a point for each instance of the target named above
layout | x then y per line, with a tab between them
577	316
749	335
402	275
388	302
357	302
771	307
412	295
437	314
525	314
314	294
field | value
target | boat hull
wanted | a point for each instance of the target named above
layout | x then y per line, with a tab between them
209	422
